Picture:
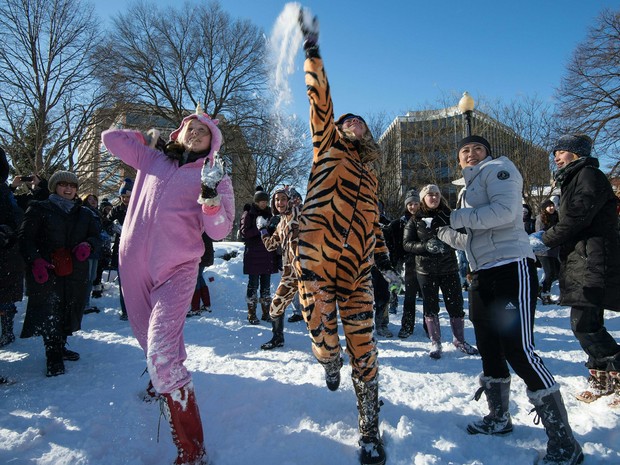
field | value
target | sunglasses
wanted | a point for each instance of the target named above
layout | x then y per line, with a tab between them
67	184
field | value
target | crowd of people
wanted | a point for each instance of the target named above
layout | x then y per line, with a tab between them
339	257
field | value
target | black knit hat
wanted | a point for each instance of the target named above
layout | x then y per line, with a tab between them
546	203
411	195
474	140
260	194
579	144
4	166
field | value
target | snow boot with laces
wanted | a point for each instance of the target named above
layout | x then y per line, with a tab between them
181	410
599	385
562	448
371	445
498	421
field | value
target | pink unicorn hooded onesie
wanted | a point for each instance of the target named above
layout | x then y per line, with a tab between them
160	250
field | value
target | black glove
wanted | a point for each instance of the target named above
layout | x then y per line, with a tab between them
273	223
309	26
435	246
441	219
383	264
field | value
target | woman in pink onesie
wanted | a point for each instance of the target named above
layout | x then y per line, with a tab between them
177	195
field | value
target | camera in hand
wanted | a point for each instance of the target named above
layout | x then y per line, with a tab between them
26	178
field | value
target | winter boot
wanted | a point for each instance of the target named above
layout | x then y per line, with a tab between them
68	354
458	333
195	305
54	357
382	318
252	313
181	410
97	291
367	393
562	448
332	372
498	421
277	340
434	332
614	376
599	385
265	303
6	319
205	296
546	299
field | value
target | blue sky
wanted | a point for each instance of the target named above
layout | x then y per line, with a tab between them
395	56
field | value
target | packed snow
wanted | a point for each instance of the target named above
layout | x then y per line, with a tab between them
272	407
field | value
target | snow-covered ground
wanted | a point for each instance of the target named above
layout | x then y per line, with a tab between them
272	407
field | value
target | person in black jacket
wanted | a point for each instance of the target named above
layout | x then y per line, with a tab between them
56	238
37	189
549	259
201	293
117	217
587	234
436	268
11	263
258	263
400	258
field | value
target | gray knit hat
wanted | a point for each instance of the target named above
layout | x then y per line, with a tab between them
411	195
60	176
579	144
429	188
260	194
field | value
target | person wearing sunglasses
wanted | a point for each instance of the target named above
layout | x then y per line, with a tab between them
56	237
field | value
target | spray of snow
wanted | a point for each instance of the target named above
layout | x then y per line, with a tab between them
284	43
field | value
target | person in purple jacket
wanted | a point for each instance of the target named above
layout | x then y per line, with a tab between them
177	195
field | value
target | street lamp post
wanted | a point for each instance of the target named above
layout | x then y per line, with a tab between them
466	107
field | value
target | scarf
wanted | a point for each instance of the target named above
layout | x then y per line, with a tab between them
62	203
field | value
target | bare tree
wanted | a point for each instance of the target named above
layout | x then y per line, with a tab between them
46	73
532	121
589	95
172	60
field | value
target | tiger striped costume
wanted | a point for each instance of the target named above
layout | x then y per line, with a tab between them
338	234
285	236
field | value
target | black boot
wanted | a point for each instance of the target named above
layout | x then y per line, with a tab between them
69	354
6	319
332	373
498	421
382	318
277	340
367	393
562	448
53	354
265	304
252	313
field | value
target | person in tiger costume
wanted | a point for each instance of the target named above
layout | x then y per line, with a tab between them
339	241
284	236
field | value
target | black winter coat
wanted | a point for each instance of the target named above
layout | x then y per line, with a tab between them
415	236
256	258
395	231
588	238
11	263
55	308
